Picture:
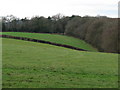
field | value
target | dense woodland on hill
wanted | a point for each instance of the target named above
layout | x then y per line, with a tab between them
100	31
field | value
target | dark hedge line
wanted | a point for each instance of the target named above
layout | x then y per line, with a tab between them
42	41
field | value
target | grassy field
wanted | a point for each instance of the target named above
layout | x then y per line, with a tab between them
35	65
61	39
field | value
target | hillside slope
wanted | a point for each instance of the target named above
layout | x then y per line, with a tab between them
60	39
35	65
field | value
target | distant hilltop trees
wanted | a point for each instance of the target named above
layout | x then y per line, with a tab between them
100	31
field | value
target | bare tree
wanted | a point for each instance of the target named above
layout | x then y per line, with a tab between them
58	16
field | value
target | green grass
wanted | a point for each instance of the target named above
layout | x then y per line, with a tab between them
61	39
35	65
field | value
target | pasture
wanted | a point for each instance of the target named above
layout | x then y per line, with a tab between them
36	65
60	39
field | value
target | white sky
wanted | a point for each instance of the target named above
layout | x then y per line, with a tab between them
29	8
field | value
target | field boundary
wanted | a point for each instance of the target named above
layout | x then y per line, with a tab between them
42	41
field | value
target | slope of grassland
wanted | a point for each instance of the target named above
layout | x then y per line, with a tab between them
35	65
60	39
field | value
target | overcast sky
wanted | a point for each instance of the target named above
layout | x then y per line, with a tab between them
29	8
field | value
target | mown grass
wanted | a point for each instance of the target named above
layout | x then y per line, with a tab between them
61	39
35	65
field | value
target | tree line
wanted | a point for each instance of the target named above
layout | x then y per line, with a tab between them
100	31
